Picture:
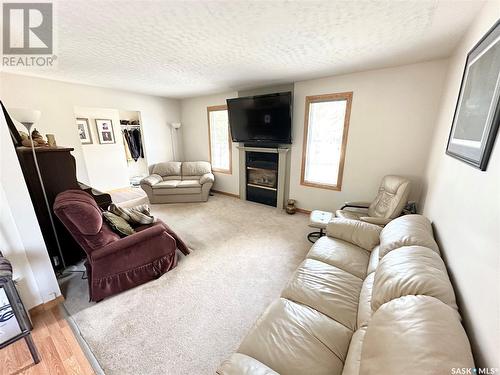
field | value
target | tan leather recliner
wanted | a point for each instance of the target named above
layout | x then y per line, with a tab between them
392	197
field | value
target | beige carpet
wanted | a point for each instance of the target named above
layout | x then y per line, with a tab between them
128	194
193	317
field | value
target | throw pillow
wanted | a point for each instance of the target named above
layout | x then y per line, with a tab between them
138	215
118	224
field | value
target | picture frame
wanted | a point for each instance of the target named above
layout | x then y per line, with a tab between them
84	133
477	113
105	131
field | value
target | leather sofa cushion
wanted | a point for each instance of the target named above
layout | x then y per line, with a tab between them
241	364
407	230
172	177
359	233
194	177
353	360
294	339
169	168
374	260
326	288
178	191
341	254
170	184
415	335
412	270
365	301
195	168
189	183
177	187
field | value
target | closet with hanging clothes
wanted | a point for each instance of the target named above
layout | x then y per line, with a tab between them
132	138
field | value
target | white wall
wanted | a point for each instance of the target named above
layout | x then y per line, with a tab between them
56	100
21	240
195	137
464	204
392	118
106	163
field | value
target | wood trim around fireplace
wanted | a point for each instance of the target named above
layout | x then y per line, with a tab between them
326	98
230	143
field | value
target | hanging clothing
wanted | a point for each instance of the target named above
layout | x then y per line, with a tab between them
134	141
136	133
125	145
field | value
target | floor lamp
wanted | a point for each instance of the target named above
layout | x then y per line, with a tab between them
28	118
176	126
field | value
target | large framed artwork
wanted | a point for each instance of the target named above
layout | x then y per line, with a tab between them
477	114
105	131
84	131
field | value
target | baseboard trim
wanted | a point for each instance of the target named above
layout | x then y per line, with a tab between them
303	211
47	305
224	193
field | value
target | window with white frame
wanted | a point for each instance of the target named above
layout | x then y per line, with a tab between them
325	138
219	139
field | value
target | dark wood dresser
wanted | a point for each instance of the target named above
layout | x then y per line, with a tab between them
58	170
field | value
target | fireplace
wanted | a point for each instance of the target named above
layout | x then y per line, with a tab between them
262	177
263	172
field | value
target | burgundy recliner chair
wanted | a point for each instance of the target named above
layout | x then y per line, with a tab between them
115	264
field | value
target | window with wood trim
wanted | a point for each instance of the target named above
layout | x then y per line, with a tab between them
219	140
326	126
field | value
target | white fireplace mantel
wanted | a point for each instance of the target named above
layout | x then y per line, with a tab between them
282	171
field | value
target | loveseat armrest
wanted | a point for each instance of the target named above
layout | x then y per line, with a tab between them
356	204
207	177
152	179
357	232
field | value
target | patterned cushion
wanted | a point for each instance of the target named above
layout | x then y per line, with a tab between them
118	224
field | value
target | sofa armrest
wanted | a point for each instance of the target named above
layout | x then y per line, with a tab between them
357	232
375	220
152	180
207	177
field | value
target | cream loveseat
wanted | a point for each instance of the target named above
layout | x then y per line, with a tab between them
176	181
366	300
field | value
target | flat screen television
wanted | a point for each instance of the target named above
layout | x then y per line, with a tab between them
263	119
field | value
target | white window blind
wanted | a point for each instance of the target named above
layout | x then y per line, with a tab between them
324	146
220	153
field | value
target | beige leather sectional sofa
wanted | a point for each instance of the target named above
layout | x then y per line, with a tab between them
366	300
176	181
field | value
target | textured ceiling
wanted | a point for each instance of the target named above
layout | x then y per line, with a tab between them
189	48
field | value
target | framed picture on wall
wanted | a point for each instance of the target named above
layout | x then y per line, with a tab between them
477	114
105	131
84	134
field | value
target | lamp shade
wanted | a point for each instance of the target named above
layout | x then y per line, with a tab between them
25	115
176	125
